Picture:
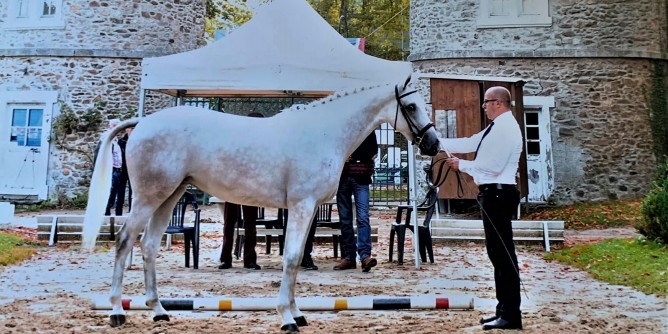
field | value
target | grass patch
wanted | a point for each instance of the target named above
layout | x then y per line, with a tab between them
637	263
590	215
13	249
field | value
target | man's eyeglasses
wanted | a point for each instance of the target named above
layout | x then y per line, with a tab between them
485	101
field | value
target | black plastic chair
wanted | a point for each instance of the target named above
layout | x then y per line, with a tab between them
277	223
424	234
323	218
190	232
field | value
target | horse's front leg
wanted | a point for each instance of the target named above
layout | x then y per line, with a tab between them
126	239
295	239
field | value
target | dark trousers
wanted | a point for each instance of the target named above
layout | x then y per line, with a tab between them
498	207
232	216
310	238
308	247
123	183
115	189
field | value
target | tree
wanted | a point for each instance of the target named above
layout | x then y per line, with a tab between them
225	14
384	23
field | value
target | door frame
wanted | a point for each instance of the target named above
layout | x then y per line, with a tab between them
49	101
546	170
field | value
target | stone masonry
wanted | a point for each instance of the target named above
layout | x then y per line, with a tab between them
97	56
596	59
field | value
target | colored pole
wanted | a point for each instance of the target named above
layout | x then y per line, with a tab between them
304	303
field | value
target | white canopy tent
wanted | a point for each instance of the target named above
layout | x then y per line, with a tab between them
286	49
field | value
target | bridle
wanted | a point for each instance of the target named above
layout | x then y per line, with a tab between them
418	134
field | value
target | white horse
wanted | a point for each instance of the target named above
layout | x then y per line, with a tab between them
292	160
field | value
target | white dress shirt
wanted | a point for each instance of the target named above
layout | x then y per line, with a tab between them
499	153
116	154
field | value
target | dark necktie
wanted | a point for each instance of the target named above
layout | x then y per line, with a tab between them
483	138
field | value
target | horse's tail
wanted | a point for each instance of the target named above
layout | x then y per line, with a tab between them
100	186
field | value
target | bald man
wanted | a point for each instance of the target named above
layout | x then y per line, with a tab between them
498	148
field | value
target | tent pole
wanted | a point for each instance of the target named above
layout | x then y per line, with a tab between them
140	110
412	184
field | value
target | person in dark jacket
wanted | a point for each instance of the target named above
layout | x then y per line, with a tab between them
355	181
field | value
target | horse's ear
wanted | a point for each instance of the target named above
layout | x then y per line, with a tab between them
407	81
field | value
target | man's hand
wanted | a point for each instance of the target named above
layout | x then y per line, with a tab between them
453	163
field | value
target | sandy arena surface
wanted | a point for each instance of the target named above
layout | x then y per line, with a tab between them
51	292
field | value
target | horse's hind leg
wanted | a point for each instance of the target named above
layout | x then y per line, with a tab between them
136	221
301	216
150	244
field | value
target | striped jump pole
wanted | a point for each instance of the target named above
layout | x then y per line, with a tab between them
304	303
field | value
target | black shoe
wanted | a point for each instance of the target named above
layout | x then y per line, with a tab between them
252	266
501	323
489	319
225	265
307	264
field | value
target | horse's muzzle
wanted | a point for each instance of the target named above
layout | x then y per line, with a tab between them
429	144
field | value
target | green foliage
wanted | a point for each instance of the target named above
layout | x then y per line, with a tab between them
658	107
62	201
13	249
638	263
225	14
92	118
654	224
384	24
67	122
588	215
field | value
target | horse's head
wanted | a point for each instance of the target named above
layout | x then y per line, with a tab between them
414	123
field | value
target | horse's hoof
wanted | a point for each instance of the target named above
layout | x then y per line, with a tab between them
162	317
301	321
290	328
117	320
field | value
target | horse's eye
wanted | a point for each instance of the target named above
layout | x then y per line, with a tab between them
410	107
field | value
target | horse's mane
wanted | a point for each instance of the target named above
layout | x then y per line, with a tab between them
333	97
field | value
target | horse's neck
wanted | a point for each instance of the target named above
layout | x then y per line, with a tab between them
347	120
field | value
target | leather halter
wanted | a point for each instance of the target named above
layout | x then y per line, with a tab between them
417	133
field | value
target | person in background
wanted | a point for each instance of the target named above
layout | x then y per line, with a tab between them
497	153
123	181
117	165
355	181
232	216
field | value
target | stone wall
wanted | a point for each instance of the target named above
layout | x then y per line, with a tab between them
442	29
596	60
96	57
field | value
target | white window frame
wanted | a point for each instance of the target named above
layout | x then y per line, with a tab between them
516	17
33	18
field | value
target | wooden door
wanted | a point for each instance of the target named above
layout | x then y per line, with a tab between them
456	114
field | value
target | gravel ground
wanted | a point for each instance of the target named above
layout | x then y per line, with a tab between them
51	292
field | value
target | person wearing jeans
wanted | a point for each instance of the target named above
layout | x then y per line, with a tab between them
354	182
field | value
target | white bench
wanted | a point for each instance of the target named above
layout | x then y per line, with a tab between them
70	227
523	230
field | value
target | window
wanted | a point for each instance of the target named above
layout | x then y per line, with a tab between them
27	127
35	14
513	13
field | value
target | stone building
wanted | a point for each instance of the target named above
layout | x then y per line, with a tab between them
587	66
78	55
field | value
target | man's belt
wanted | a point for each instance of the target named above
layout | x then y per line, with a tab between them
496	186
